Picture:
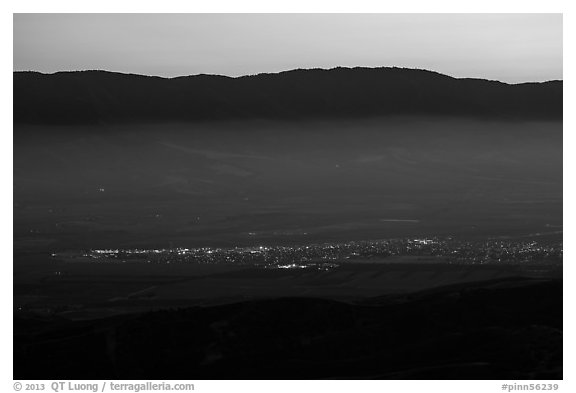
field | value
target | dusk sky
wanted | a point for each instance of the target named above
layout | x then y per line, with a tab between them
507	47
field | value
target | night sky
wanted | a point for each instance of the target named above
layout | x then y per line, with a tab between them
507	47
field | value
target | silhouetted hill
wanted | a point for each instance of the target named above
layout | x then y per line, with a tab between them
94	97
503	329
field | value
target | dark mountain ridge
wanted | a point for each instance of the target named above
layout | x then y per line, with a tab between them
501	329
101	97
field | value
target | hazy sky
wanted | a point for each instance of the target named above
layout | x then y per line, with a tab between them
507	47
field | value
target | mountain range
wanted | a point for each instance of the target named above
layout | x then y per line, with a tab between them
102	97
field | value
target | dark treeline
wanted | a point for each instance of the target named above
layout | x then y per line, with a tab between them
100	97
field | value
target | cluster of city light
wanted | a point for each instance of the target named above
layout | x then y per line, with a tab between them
329	255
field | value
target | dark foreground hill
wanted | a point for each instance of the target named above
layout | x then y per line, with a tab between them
506	329
99	97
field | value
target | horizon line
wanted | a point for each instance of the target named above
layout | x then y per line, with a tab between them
283	71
